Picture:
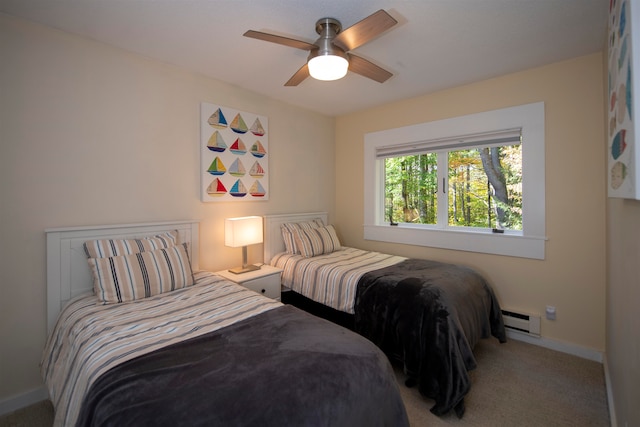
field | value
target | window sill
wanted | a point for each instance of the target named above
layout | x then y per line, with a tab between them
462	240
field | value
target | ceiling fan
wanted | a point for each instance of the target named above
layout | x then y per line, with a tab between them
334	46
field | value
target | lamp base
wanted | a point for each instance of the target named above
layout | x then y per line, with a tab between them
244	269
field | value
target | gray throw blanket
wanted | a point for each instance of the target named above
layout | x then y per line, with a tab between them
283	367
428	316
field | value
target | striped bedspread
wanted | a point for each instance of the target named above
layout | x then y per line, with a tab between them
331	279
90	338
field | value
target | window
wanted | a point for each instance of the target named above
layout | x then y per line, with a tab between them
479	183
471	183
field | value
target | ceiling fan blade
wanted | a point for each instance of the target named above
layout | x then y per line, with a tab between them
365	30
299	76
286	41
368	69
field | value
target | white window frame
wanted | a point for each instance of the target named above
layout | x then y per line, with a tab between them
528	243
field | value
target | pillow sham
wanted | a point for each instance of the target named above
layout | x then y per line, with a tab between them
316	241
116	247
288	228
141	275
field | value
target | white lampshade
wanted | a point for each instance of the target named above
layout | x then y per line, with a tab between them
242	231
328	67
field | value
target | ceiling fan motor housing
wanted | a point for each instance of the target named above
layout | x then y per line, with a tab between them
328	28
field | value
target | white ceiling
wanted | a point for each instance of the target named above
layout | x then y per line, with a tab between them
437	44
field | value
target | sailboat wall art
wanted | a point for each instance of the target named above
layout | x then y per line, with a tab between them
234	155
623	151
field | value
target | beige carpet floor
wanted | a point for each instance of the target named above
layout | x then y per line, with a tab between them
519	384
516	384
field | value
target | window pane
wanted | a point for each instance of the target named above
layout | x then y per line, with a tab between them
411	186
485	187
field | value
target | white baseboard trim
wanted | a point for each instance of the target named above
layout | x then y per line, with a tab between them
564	347
607	381
20	401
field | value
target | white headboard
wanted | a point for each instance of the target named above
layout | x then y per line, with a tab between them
68	272
273	243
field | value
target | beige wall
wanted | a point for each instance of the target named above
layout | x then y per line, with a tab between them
94	135
572	277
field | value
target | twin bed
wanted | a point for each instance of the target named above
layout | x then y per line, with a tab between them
159	342
193	350
426	316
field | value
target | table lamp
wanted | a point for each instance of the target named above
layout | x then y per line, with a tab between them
243	231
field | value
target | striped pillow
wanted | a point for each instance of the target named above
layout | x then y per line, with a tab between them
288	229
116	247
316	241
135	276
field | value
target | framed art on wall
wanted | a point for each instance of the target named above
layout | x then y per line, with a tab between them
234	151
623	153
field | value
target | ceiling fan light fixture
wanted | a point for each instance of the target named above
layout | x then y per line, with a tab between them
328	67
330	55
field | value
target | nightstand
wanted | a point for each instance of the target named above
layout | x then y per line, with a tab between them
265	281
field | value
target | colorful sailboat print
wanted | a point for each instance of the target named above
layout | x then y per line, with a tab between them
618	174
619	144
622	105
237	168
623	18
258	150
257	128
612	104
238	189
238	125
217	120
623	52
257	190
216	142
628	91
256	170
217	167
612	125
238	147
216	188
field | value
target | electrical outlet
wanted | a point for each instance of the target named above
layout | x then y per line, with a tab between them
550	312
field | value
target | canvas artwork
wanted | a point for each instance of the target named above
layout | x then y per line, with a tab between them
623	152
234	152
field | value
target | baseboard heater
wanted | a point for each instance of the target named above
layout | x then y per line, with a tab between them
521	322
